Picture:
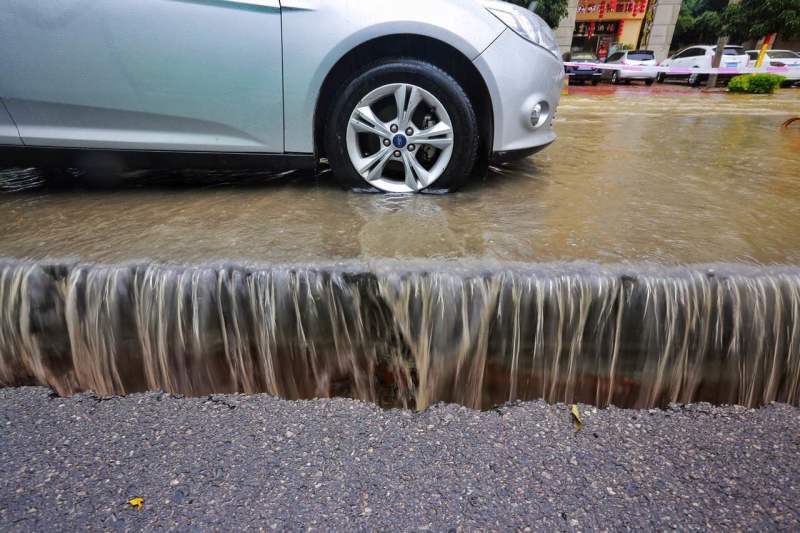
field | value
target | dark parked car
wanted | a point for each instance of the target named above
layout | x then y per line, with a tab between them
582	74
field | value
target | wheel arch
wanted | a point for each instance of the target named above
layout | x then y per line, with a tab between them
420	47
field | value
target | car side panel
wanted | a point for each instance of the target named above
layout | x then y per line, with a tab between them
318	33
199	75
8	130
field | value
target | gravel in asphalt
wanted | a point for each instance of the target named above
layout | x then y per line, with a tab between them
248	463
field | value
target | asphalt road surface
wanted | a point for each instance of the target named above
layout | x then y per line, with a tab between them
233	463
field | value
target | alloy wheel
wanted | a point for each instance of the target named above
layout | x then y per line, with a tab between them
400	138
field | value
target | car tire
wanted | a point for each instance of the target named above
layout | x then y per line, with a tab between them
660	77
694	80
615	77
648	82
445	97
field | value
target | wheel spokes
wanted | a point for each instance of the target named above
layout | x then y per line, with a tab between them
365	121
416	177
439	136
407	98
372	167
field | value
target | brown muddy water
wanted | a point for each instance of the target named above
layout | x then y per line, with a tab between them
557	278
670	179
407	335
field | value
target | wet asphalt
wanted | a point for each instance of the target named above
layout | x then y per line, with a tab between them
260	463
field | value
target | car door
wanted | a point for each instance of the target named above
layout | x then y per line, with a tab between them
682	60
675	60
8	130
197	75
690	57
672	62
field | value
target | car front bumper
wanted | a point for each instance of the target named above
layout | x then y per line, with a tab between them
520	76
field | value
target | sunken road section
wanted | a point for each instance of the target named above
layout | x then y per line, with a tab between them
407	334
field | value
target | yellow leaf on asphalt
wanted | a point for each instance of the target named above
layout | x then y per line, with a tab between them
137	503
576	418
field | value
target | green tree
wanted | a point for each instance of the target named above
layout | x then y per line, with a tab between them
552	11
754	19
699	22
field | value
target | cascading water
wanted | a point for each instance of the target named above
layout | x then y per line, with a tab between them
402	335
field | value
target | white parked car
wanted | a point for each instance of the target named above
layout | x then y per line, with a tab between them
701	57
634	58
779	58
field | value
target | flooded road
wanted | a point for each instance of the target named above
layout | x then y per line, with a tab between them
671	178
410	336
559	277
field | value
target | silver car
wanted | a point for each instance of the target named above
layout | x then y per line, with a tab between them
397	96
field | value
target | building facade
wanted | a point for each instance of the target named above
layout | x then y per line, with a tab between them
604	26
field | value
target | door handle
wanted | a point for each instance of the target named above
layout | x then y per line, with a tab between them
270	4
259	3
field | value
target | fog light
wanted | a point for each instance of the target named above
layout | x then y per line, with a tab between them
539	114
536	114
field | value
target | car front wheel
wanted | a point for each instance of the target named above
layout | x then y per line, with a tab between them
402	126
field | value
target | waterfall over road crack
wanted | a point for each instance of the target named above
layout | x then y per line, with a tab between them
407	334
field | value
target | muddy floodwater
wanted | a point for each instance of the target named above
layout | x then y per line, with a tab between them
664	178
649	256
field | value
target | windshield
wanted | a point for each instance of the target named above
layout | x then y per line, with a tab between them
641	55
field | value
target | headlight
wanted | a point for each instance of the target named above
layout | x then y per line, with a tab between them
525	23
